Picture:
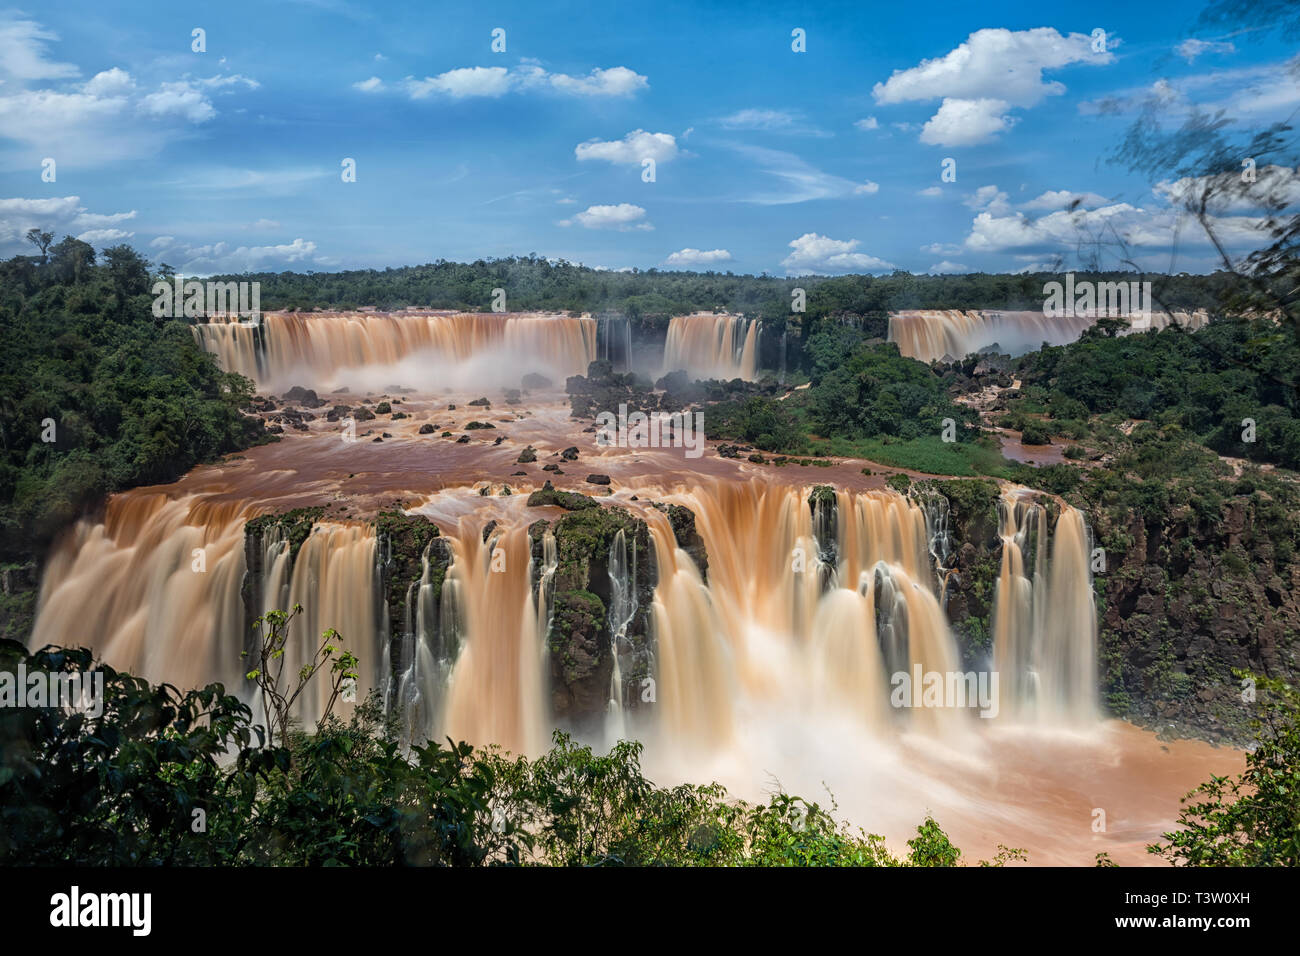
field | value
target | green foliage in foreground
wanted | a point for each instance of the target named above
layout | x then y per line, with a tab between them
1253	819
163	777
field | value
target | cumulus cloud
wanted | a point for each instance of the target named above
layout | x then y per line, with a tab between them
989	198
622	217
930	192
948	268
494	81
221	257
698	257
109	117
372	85
64	215
179	99
820	255
1055	199
633	148
988	74
966	122
866	189
867	124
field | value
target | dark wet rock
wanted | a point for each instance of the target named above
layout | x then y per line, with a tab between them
462	440
598	479
570	453
426	429
568	500
527	456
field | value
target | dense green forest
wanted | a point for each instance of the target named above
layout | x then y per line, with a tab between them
95	393
654	295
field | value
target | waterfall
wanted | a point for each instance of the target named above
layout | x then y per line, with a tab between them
929	335
1044	618
712	346
422	348
816	602
622	608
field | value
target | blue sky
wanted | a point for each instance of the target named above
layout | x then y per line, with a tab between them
766	159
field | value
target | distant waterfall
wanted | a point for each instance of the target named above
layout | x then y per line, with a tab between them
931	334
712	346
422	348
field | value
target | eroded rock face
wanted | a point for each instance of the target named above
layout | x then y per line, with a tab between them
581	638
688	539
402	543
1186	601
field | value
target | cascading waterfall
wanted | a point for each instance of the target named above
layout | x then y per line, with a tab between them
1044	618
622	608
775	629
428	347
712	346
814	602
496	690
930	334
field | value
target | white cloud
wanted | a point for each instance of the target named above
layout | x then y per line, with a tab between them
162	242
821	255
947	268
866	189
64	215
990	198
106	118
264	224
759	119
930	192
179	99
941	249
697	257
220	82
1055	199
114	82
997	63
992	71
633	148
803	181
103	237
23	55
372	85
623	217
616	81
966	122
1276	187
1191	48
220	257
458	84
494	81
868	123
